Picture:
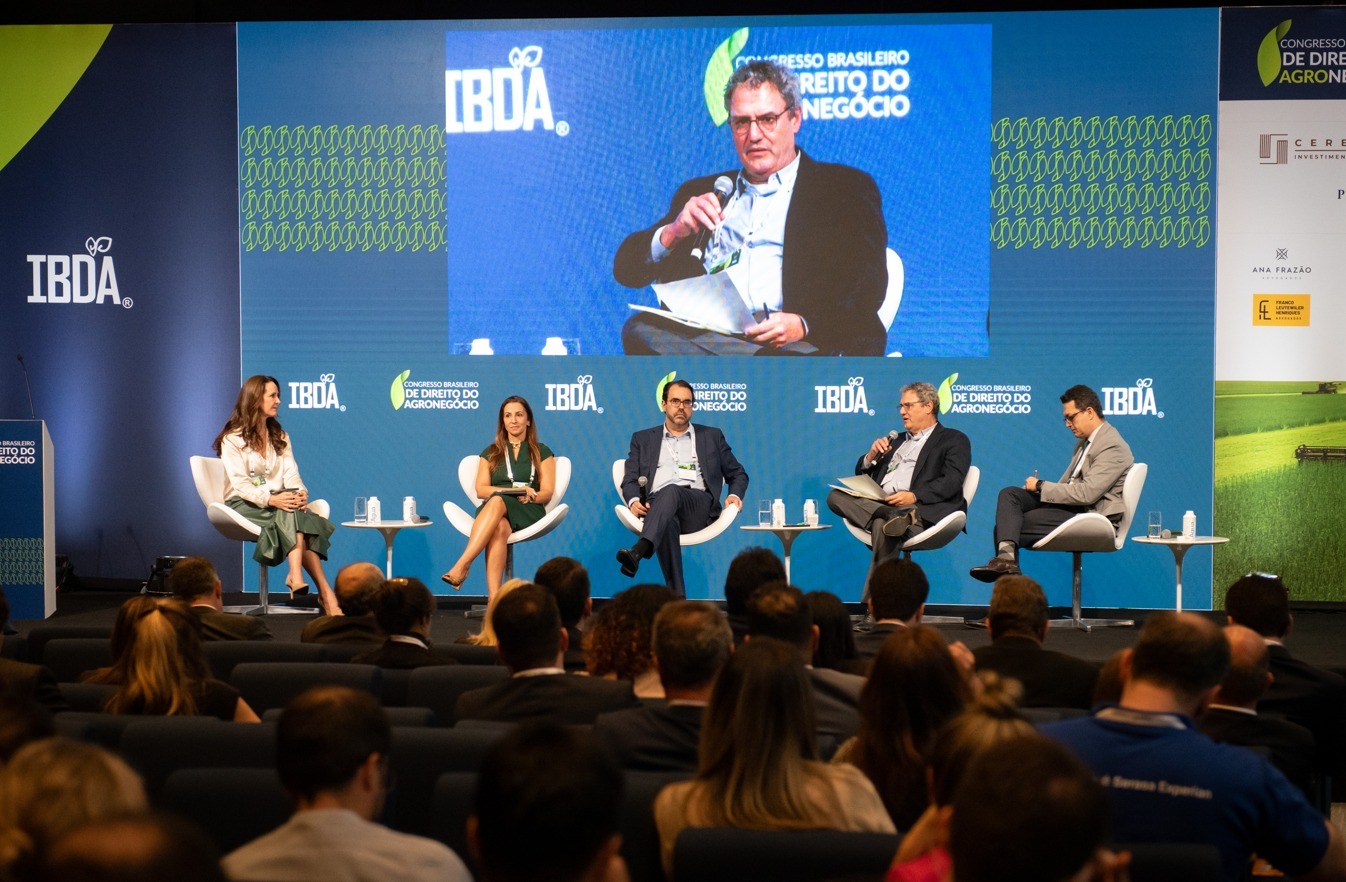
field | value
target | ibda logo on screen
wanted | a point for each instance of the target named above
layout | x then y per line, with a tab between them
501	99
77	278
321	395
843	399
578	395
1137	400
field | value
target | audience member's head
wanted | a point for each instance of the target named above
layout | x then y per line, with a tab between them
692	642
161	665
618	640
1249	672
404	606
1018	608
487	635
194	580
1183	653
897	590
780	611
1262	602
568	581
52	786
528	627
332	746
1027	811
546	807
992	717
750	569
1108	689
836	636
356	585
146	848
23	720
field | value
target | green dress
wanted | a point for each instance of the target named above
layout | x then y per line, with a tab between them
520	514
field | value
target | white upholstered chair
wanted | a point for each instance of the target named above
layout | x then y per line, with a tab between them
634	524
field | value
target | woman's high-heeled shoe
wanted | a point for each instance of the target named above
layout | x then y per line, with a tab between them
452	584
298	592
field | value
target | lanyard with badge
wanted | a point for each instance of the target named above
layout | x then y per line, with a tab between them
686	471
266	462
509	470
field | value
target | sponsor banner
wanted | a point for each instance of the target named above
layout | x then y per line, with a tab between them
1282	53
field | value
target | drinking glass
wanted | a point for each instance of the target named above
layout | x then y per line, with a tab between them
764	513
1156	525
361	509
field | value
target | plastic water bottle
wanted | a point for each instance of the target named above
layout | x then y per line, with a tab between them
375	511
778	513
1189	524
810	513
409	509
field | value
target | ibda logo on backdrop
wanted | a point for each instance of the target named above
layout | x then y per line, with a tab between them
1137	400
501	99
843	399
77	278
578	395
433	394
321	395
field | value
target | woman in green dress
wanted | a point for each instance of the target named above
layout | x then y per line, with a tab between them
516	476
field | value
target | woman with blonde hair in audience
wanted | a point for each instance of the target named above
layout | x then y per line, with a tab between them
160	668
619	642
50	787
759	766
915	686
486	637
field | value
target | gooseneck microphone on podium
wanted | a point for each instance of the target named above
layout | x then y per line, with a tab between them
724	186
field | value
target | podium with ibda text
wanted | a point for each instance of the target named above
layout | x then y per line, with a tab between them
27	519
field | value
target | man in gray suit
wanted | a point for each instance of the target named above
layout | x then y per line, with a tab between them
1092	482
194	580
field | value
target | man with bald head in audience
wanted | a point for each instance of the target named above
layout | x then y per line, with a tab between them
1170	783
194	580
356	585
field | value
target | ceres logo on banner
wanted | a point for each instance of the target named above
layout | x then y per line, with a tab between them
578	395
843	399
321	395
433	394
501	99
1137	400
77	278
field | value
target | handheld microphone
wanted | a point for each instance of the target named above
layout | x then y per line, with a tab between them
31	411
644	483
724	186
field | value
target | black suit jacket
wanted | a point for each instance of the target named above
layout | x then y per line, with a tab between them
868	643
33	681
1313	698
567	699
713	454
216	625
404	656
938	477
343	629
834	271
1290	747
836	702
659	738
1050	679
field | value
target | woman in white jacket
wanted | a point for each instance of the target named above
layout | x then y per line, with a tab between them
264	486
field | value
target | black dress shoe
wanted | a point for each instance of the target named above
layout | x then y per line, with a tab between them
897	527
629	558
995	568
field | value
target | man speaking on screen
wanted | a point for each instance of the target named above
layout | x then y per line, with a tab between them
803	241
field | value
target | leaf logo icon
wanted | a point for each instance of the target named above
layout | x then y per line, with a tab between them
1269	53
399	394
718	70
659	389
946	393
101	245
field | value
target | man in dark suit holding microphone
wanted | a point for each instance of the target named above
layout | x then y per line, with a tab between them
674	475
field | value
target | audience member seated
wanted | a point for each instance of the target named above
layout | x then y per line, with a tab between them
779	610
356	585
1303	694
332	748
568	582
194	581
1028	811
403	608
487	636
991	718
897	593
1108	690
1232	717
147	848
49	788
159	667
836	637
759	764
1170	783
750	569
22	721
617	645
1018	624
546	808
34	681
914	687
532	645
692	641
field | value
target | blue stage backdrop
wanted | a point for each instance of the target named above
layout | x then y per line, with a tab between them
406	188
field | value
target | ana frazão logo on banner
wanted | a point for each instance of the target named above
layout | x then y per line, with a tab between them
1137	400
77	278
321	395
501	99
849	398
433	394
578	395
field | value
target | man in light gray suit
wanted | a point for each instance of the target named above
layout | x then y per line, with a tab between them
1092	482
